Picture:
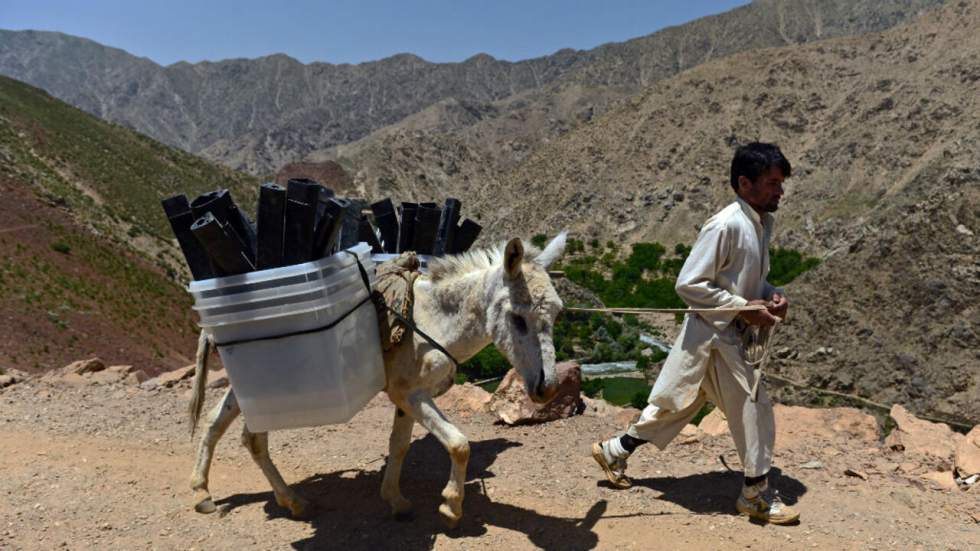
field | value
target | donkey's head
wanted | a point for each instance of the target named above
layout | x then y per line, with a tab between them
522	309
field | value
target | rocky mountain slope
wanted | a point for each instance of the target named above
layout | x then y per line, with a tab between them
87	262
259	114
885	188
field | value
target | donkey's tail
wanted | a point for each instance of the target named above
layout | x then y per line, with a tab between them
200	380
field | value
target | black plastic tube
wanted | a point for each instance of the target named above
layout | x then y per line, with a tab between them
178	211
447	227
466	235
350	233
426	226
329	226
224	248
221	204
366	233
387	221
406	231
302	197
271	218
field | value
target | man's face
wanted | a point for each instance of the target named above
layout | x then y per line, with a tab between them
763	194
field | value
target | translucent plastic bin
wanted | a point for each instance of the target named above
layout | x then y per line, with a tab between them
300	343
276	278
317	377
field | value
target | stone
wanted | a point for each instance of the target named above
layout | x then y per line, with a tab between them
856	473
967	458
82	367
621	416
796	426
465	399
689	435
941	479
512	405
171	378
714	423
106	377
72	379
7	380
931	444
218	379
124	369
812	465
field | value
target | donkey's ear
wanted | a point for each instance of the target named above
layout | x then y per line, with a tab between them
513	257
553	251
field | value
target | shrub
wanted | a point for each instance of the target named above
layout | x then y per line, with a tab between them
61	247
539	240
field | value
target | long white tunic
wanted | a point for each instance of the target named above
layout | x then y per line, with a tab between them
727	267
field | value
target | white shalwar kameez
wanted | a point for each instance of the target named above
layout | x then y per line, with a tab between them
727	267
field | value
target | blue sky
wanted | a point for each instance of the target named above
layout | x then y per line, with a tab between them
348	31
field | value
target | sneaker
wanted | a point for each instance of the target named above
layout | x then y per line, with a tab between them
614	467
760	503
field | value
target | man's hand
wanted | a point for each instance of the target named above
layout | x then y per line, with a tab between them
778	306
761	318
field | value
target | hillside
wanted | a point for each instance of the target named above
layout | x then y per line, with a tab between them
259	114
884	188
87	262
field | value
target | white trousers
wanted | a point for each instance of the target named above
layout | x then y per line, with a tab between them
751	423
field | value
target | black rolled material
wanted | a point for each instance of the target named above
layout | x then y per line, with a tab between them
426	227
271	219
466	235
321	206
302	198
366	233
329	226
179	214
447	227
350	233
387	221
406	231
225	249
223	207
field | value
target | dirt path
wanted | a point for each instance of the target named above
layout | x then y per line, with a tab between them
107	467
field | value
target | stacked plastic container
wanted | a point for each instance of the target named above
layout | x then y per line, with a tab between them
300	343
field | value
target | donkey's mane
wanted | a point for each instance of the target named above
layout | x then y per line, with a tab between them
456	265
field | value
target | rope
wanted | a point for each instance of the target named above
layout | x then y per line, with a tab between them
747	308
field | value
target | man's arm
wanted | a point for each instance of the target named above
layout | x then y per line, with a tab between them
696	284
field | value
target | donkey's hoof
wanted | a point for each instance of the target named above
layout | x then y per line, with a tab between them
401	508
449	517
298	507
204	503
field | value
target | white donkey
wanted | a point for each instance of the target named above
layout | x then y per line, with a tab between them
466	302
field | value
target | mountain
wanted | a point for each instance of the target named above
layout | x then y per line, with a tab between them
259	114
87	262
886	189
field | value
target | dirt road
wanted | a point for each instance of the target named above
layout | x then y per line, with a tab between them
107	467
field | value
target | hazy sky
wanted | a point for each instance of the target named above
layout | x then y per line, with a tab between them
351	31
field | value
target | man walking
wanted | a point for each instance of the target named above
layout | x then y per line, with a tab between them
727	268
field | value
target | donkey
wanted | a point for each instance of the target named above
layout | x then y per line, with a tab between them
502	295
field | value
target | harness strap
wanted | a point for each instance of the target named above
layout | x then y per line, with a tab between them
379	300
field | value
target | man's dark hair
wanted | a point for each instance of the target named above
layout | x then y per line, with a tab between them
752	159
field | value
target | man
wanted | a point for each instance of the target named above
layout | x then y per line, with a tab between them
727	268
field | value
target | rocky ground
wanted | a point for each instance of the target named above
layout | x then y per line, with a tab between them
104	462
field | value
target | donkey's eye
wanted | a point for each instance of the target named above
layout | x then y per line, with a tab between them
519	323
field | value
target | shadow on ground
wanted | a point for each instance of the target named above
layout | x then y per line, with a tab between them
350	513
715	492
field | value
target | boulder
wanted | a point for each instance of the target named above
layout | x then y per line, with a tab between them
967	457
81	367
511	404
171	378
465	399
714	423
106	377
7	380
942	480
798	425
932	444
622	417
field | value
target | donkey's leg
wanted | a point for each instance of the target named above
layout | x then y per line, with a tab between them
425	412
258	445
218	421
401	436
